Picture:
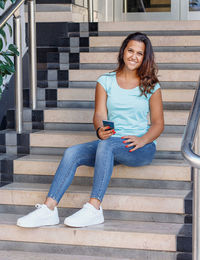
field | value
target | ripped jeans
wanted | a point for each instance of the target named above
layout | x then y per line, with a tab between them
102	155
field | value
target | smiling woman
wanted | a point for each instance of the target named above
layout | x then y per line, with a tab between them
125	97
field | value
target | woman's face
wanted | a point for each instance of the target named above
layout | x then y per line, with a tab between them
134	55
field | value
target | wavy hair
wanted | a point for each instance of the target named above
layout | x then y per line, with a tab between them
148	69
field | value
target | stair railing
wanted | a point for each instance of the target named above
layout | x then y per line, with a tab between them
14	10
190	149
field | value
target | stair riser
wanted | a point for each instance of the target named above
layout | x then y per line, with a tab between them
111	67
127	183
90	127
109	214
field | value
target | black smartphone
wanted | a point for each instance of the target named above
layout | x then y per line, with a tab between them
108	123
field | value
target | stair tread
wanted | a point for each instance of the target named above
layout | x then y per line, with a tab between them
86	133
89	109
166	193
111	225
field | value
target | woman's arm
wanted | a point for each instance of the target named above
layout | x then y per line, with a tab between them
156	117
100	112
157	123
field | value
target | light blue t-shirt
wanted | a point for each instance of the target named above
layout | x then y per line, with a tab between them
126	107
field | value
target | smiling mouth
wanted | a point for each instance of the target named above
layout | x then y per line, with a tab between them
133	62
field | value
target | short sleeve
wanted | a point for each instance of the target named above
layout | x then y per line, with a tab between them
156	87
103	81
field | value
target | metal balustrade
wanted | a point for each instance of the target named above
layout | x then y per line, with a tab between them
14	10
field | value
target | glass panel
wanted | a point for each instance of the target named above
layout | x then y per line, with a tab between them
134	6
194	5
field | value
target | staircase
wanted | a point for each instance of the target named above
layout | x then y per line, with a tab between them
61	11
148	210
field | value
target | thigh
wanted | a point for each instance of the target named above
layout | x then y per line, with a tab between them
83	154
140	157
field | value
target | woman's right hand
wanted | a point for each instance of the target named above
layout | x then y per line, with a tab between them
104	133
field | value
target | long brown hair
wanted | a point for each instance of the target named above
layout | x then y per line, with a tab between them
148	69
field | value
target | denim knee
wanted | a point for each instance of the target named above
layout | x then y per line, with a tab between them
71	153
104	145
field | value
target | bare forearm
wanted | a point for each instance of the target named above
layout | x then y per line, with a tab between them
97	120
154	132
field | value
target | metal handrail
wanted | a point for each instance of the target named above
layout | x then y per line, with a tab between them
10	11
188	149
190	132
14	10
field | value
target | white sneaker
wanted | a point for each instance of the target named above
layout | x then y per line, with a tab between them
42	216
86	216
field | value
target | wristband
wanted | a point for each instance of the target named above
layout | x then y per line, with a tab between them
97	132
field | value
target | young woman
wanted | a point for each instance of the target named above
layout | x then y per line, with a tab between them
125	97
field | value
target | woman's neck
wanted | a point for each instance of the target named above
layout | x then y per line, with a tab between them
128	74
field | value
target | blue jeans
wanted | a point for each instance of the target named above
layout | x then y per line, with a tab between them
103	155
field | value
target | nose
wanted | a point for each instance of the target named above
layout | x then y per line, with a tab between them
134	56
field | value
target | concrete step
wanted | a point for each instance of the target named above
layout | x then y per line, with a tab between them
164	75
59	12
125	199
157	41
20	255
150	26
63	139
78	94
175	170
110	214
85	115
160	57
106	252
165	84
124	234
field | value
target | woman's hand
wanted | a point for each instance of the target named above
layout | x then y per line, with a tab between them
104	133
135	141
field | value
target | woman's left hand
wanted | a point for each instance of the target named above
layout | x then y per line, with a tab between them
133	140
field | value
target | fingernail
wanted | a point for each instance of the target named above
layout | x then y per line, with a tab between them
122	137
130	151
124	142
127	147
114	132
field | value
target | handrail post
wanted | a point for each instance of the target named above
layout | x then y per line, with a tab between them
18	74
90	11
196	205
125	6
32	54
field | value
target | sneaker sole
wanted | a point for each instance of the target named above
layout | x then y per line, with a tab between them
78	226
49	224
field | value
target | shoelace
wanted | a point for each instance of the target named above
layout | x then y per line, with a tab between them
38	206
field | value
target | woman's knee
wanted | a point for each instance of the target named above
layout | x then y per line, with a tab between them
71	152
104	145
